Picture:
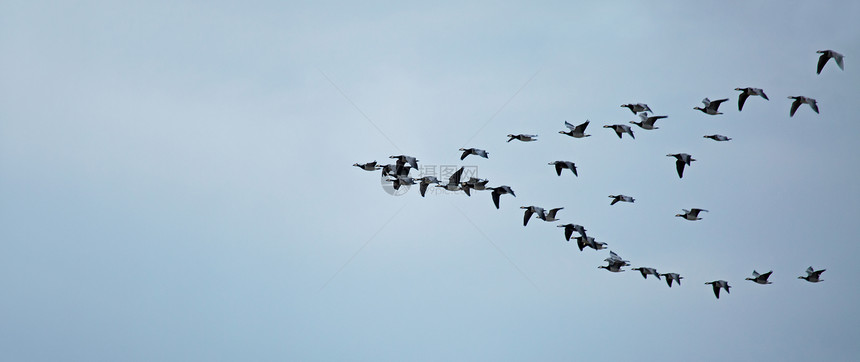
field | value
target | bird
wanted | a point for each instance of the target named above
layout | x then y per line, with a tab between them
812	275
760	278
570	228
826	55
615	258
746	92
474	183
400	180
638	107
672	276
453	181
583	241
621	129
576	131
532	210
711	106
682	160
426	181
501	190
559	165
645	271
613	266
370	166
798	100
647	122
473	151
692	214
718	137
717	284
550	216
403	159
616	198
523	137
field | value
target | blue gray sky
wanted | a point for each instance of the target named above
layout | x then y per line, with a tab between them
176	181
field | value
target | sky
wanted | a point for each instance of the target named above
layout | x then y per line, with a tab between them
176	181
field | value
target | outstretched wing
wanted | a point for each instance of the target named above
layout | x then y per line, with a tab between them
838	60
495	198
794	106
822	60
558	167
527	216
569	126
814	106
568	231
465	153
741	99
581	127
679	165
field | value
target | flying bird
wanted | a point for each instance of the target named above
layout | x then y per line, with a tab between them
550	216
426	181
672	276
638	107
454	181
576	131
798	100
760	278
746	93
692	214
560	165
522	137
812	275
621	129
645	271
717	284
474	183
718	137
370	166
711	107
647	122
501	190
570	228
825	56
530	210
617	198
583	241
683	159
473	151
403	159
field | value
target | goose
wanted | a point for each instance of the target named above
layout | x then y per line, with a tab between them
717	284
812	275
583	241
682	160
711	106
621	129
453	181
532	210
370	166
760	278
647	122
522	137
638	107
426	181
826	55
746	93
403	159
559	165
614	267
616	198
672	276
570	228
798	100
474	184
401	180
576	131
692	214
550	216
645	271
473	151
501	190
718	137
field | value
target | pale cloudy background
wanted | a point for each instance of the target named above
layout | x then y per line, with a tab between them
176	181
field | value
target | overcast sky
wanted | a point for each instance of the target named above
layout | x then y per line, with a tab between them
176	181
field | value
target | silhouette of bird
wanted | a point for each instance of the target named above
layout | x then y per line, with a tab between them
825	56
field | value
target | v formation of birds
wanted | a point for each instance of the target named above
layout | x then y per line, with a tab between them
398	174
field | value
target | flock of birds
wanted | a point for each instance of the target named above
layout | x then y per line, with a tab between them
398	175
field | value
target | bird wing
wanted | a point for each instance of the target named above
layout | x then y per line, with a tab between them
423	188
572	167
763	95
568	231
552	212
766	275
581	127
794	106
615	200
668	280
716	104
822	60
814	105
569	126
630	131
741	99
716	290
810	270
496	198
755	274
465	153
817	273
580	242
838	59
679	165
455	178
527	216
